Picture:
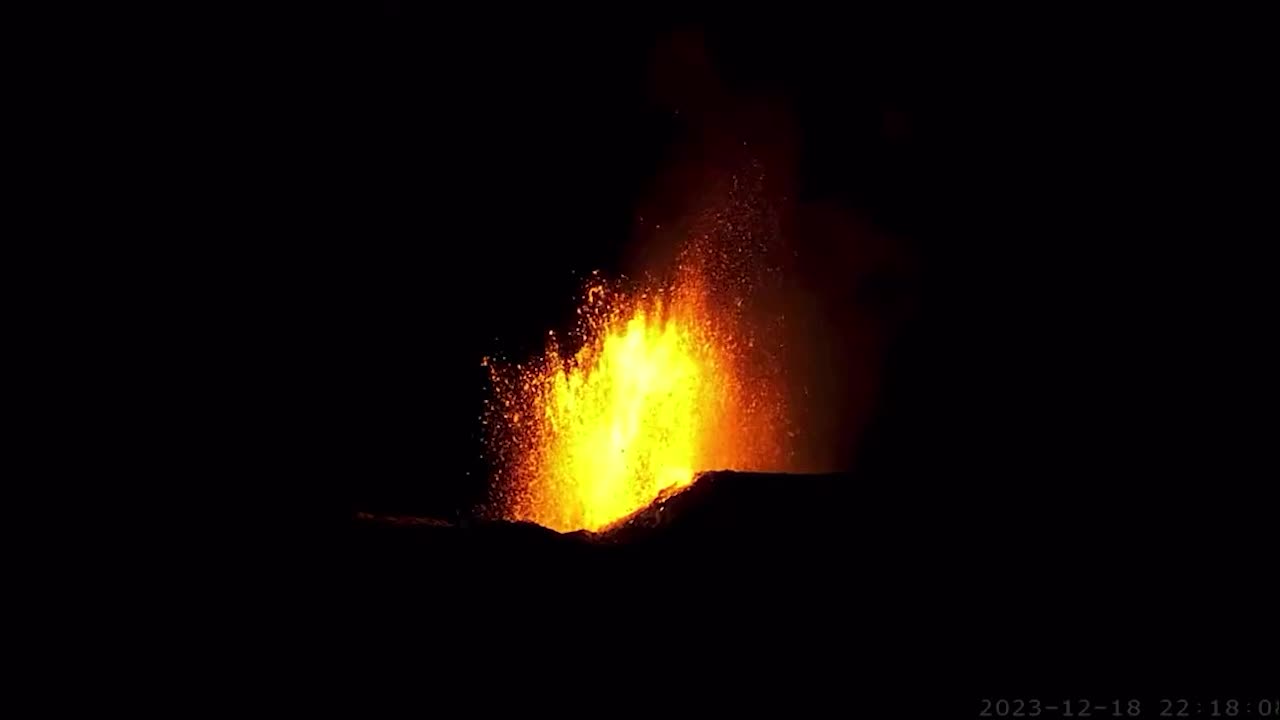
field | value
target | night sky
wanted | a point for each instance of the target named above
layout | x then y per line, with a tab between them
469	173
479	177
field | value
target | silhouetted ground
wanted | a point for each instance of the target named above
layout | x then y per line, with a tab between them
779	589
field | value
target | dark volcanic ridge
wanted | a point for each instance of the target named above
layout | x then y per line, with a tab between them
718	505
759	566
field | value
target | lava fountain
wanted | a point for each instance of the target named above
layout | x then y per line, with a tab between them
658	382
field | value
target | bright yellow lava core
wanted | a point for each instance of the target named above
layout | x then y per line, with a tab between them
654	395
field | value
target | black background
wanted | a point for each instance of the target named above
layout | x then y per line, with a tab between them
469	173
482	169
1054	408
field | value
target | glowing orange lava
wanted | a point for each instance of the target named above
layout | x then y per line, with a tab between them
659	390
